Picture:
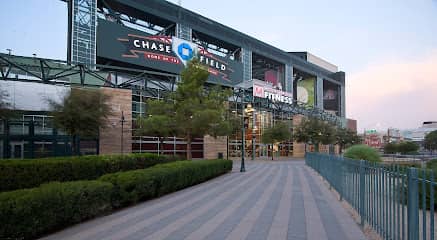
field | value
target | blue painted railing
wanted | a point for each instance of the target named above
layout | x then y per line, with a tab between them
397	202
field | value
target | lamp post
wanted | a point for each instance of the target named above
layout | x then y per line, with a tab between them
253	140
122	121
243	137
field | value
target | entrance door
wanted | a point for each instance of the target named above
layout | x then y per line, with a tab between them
17	150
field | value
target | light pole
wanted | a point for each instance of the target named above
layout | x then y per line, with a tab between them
122	121
253	141
243	137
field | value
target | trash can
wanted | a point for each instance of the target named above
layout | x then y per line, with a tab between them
220	155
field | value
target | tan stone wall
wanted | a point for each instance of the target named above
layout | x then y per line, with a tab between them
298	148
212	146
110	135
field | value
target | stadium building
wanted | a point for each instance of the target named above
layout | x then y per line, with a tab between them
135	49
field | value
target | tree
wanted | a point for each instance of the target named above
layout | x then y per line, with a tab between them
408	147
345	138
277	133
81	113
160	125
314	131
5	105
362	152
431	141
191	110
391	148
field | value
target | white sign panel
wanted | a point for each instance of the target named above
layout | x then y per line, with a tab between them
263	91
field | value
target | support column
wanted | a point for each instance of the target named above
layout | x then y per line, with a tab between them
246	58
110	135
298	148
319	92
214	147
184	32
83	32
342	101
289	78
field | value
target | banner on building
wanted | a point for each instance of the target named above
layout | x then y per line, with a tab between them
264	90
166	53
305	91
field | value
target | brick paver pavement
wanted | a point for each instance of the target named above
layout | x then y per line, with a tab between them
271	200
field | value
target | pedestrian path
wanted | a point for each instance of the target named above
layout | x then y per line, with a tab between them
271	200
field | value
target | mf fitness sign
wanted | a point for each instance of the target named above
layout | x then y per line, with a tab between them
164	53
262	90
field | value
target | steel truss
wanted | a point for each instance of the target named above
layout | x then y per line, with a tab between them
48	71
283	110
154	84
107	12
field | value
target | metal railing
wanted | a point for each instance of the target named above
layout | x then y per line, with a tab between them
397	202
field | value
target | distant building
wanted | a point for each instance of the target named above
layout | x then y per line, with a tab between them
373	139
351	124
418	135
393	136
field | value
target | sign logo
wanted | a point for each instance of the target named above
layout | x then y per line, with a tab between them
184	50
258	91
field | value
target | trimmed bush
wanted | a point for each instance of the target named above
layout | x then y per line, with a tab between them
432	165
28	213
362	152
19	174
133	186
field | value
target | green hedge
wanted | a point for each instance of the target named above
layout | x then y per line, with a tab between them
133	186
28	213
19	174
362	152
432	165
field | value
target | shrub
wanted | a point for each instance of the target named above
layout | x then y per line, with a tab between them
432	165
408	147
133	186
391	148
363	152
18	174
28	213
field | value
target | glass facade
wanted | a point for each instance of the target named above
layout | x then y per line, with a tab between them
154	89
83	38
34	136
269	71
256	122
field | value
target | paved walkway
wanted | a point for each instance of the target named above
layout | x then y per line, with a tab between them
272	200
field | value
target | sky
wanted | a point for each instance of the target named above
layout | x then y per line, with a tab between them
388	48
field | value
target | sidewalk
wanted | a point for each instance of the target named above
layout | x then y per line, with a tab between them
271	200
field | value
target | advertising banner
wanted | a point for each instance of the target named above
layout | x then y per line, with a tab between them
263	90
166	53
305	91
331	100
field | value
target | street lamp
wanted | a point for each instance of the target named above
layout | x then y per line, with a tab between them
254	128
242	167
122	121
